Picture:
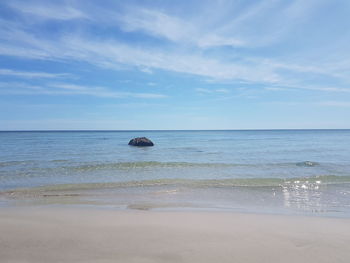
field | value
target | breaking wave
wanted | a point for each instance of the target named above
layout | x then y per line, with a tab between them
302	182
150	164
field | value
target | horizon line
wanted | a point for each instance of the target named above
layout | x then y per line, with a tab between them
145	130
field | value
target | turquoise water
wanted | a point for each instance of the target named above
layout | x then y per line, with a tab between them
254	170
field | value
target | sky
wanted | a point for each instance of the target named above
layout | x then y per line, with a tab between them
194	64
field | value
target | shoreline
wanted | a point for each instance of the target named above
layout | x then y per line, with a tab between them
61	234
178	196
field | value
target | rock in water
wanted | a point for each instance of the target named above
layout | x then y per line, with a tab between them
141	141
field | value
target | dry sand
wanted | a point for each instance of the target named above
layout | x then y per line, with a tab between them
84	235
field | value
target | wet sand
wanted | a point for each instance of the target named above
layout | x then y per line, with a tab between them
56	234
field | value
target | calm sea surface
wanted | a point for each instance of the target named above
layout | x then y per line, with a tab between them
287	171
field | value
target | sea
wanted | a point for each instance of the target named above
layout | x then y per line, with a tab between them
299	172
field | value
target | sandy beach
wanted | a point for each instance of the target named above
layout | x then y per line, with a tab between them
174	131
56	234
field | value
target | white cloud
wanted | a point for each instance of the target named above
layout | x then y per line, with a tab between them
71	89
48	10
211	91
197	31
32	74
308	87
102	92
146	70
222	90
116	55
227	23
155	23
212	40
202	90
176	29
18	85
336	104
113	53
274	89
342	104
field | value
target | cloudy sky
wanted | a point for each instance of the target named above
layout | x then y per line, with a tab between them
174	64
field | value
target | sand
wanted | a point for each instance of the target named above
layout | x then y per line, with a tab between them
58	234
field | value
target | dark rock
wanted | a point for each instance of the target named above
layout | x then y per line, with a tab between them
141	141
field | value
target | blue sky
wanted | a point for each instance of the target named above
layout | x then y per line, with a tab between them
174	64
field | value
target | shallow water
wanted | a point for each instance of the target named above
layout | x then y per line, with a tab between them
288	171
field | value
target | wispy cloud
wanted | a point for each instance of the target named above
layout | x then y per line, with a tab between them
9	87
175	29
32	74
211	91
47	10
102	92
71	89
341	104
322	88
116	55
308	104
230	25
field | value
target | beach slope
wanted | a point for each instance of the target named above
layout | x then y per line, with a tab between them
96	235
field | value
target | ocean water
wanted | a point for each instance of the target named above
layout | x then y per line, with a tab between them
269	171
